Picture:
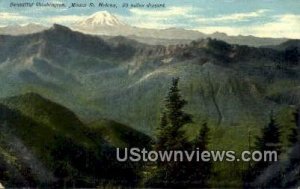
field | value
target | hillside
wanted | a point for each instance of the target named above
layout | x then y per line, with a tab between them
289	44
226	84
112	82
119	135
49	146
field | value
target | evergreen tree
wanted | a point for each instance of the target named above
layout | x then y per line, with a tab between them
286	119
170	137
201	169
162	135
293	136
293	156
269	141
203	138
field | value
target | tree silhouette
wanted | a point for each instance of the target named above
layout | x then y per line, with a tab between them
201	169
171	137
269	141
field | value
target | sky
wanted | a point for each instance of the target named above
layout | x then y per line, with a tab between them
262	18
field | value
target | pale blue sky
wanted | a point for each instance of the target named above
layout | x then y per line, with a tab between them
271	18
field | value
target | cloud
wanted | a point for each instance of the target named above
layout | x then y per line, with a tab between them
236	17
286	25
167	13
6	17
159	19
257	23
186	17
64	19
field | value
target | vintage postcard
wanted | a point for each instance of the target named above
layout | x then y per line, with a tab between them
149	94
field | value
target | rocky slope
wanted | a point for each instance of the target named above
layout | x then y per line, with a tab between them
124	80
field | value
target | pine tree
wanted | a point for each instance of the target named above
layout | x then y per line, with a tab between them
269	141
173	119
171	137
294	158
201	169
162	135
294	135
286	119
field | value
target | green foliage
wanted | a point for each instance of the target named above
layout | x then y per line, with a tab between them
70	151
119	135
171	137
234	98
269	141
201	170
286	119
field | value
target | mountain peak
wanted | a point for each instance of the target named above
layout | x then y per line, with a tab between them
101	14
101	18
57	27
219	34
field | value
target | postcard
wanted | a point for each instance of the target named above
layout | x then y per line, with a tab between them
149	94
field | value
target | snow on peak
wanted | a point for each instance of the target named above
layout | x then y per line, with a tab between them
102	18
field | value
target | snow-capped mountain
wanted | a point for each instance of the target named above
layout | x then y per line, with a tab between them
102	23
21	29
102	18
105	23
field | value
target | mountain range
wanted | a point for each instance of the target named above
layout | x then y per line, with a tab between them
92	76
22	29
105	24
83	95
